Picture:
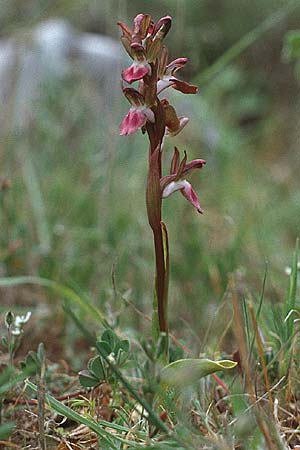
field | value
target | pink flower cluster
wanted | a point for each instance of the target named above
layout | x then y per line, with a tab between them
154	74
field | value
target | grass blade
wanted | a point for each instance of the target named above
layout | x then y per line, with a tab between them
291	295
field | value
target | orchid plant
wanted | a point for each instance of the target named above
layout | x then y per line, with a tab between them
154	115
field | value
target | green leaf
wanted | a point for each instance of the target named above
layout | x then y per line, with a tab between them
87	380
291	294
5	430
110	337
153	417
31	360
96	368
9	378
186	372
130	364
291	46
121	357
105	347
123	345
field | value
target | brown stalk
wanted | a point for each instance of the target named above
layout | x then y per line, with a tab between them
154	204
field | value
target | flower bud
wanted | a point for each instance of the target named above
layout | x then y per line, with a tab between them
9	319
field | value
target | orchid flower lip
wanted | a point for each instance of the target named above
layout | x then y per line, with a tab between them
173	187
163	84
136	118
136	71
187	191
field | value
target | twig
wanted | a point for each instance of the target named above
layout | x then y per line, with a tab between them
10	444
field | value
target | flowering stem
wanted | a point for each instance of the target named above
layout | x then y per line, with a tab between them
156	116
154	205
161	278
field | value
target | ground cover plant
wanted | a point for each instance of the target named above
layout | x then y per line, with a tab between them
211	362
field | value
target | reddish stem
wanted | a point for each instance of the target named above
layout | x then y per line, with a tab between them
154	202
161	282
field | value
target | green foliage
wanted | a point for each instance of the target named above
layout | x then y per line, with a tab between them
185	372
111	348
5	430
291	49
291	46
290	303
97	426
34	360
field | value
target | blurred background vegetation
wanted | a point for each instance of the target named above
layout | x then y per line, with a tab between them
73	209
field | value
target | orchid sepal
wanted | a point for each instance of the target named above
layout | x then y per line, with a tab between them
141	24
162	27
183	86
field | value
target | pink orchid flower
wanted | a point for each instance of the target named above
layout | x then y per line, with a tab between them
138	114
176	180
140	66
135	118
136	71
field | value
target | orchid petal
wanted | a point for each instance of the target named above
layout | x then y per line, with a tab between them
126	30
163	84
175	161
153	49
181	167
163	61
127	45
162	27
136	71
189	193
141	24
134	120
194	164
173	187
175	65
